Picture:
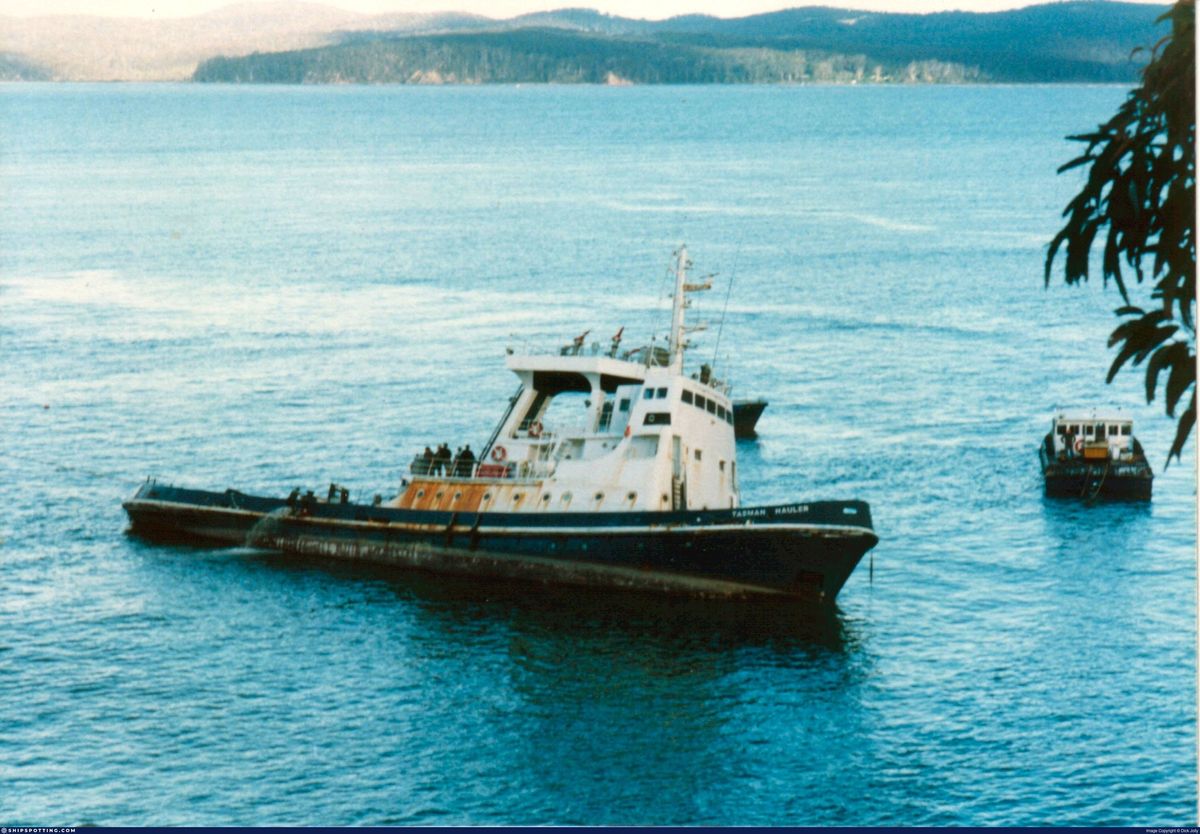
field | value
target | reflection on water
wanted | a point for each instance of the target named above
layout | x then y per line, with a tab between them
677	623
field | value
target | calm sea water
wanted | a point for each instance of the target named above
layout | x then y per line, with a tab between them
277	287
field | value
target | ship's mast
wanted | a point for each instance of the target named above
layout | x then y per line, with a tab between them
679	330
678	337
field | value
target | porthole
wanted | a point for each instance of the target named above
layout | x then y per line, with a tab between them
457	496
517	498
438	496
631	497
420	493
599	496
545	498
487	496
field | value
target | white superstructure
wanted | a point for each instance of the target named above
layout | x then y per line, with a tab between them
1093	434
592	431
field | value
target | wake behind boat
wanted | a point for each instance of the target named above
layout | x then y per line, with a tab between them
607	468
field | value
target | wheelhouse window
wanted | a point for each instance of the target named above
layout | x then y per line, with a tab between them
686	396
721	411
1060	429
1125	431
711	407
700	401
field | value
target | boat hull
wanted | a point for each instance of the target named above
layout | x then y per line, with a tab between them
1079	478
805	551
745	418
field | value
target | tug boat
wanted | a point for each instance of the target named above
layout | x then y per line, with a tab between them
606	469
1094	455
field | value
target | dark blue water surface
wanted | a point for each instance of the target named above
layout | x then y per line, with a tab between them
274	287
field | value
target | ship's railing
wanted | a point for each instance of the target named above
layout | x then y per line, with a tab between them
531	347
645	355
512	470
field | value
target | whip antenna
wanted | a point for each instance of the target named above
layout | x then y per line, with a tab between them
728	291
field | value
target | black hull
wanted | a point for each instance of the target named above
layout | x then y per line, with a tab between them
1093	480
800	551
745	418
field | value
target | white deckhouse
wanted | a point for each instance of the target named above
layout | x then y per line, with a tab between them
594	431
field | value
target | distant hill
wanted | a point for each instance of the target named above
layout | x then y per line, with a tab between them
299	42
17	68
88	48
1081	41
562	57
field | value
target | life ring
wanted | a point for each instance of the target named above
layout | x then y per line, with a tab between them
499	454
1079	444
535	429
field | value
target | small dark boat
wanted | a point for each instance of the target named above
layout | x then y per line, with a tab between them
1094	455
745	417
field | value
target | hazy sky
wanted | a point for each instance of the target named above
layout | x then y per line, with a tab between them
501	8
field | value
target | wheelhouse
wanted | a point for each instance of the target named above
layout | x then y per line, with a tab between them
1092	435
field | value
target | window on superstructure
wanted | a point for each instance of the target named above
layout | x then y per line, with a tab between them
1125	430
711	407
648	394
697	454
700	401
1060	429
686	396
721	411
624	404
661	393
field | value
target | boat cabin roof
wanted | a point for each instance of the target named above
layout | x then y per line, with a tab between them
1093	416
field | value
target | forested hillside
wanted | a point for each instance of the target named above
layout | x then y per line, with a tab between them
1077	41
